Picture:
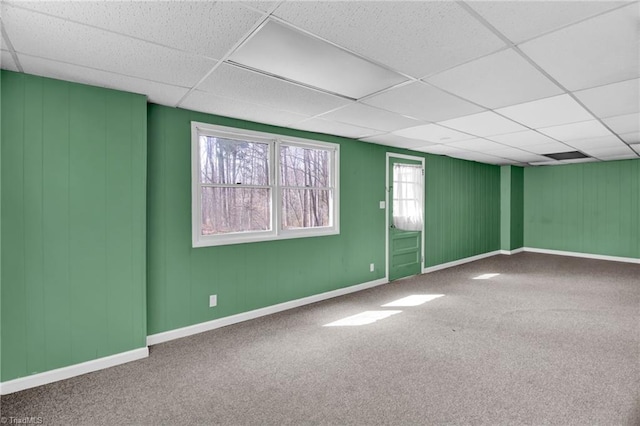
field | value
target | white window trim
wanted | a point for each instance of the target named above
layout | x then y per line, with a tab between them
276	233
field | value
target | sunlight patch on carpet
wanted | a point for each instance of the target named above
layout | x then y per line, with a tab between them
413	300
363	318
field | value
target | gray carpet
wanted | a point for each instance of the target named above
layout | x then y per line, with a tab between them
551	340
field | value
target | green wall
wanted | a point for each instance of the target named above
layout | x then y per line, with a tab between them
73	223
462	208
462	220
91	266
511	207
586	208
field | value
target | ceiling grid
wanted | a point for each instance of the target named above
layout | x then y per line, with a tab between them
496	82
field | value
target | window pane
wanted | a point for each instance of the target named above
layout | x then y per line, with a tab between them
227	210
305	167
305	208
407	197
230	161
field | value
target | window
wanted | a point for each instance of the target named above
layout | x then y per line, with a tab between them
251	186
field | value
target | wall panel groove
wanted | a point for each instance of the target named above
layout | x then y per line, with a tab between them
73	206
585	208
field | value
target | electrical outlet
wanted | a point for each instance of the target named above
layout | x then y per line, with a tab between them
372	267
383	205
213	300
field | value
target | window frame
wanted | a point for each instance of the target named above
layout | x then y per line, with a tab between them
275	141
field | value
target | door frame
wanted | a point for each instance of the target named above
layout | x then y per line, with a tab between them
386	210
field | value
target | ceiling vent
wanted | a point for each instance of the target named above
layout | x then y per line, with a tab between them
572	155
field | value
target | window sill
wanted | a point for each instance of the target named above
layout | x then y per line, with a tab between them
260	237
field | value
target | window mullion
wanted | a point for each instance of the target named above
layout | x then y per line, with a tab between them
305	212
275	192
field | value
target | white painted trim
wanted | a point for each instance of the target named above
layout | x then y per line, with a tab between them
510	252
585	255
460	262
274	141
166	336
63	373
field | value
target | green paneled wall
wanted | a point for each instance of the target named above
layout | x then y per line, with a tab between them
462	212
587	208
73	219
462	207
511	207
80	239
517	207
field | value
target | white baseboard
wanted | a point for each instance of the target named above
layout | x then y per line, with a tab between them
585	255
63	373
510	252
58	374
459	262
245	316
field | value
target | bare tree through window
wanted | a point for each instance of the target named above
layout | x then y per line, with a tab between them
236	187
255	186
236	196
306	192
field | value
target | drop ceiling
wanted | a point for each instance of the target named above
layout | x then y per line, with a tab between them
498	82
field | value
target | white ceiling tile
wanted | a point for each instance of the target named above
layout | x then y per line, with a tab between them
516	155
370	117
497	80
478	156
159	93
483	124
440	149
417	38
522	20
506	162
576	131
180	25
248	86
598	51
395	140
334	128
477	144
636	148
7	62
633	137
608	152
631	156
579	160
522	139
423	102
263	6
597	142
624	123
545	163
281	50
552	111
548	148
612	99
229	107
433	133
65	41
